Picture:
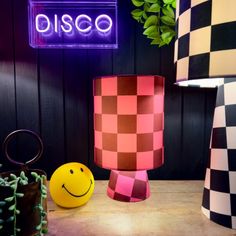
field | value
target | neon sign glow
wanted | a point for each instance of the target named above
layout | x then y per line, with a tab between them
73	24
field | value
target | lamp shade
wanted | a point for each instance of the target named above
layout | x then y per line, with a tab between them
128	124
205	46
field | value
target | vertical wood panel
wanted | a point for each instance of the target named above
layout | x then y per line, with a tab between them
99	64
26	71
76	105
193	132
52	109
124	57
7	82
173	119
147	56
26	76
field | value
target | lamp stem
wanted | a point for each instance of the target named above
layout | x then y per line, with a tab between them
219	195
128	186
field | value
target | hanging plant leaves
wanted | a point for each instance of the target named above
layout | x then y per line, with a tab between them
158	19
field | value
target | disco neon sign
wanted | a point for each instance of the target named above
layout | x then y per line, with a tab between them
74	24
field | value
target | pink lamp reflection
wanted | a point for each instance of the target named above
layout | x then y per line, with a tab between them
128	132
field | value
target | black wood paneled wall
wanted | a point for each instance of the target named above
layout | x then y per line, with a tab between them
50	92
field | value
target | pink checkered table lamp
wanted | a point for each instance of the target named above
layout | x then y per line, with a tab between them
128	132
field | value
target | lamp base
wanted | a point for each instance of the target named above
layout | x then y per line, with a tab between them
128	186
219	195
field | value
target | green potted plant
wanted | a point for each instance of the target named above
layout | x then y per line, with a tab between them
23	198
157	18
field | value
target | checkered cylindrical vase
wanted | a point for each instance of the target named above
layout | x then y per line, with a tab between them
128	125
219	196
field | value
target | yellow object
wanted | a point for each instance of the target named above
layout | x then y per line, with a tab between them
71	185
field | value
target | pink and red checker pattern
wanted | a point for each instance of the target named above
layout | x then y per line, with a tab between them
129	122
128	186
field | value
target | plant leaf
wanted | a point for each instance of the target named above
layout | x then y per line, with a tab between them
167	20
138	3
168	1
10	219
145	16
44	231
174	4
9	199
150	29
13	176
154	8
38	227
137	13
44	222
22	174
20	194
12	207
162	43
154	35
166	37
168	11
151	20
136	18
1	221
156	41
151	1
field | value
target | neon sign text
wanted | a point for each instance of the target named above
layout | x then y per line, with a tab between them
73	24
43	23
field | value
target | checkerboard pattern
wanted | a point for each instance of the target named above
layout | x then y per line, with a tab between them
129	122
128	186
205	42
219	196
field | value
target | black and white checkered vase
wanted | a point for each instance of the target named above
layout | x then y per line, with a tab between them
205	48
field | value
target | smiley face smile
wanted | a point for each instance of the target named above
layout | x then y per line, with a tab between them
63	186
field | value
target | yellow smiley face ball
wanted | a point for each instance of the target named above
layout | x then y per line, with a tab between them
71	185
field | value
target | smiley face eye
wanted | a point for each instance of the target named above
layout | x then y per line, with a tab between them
82	170
71	171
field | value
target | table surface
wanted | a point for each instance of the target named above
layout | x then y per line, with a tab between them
174	208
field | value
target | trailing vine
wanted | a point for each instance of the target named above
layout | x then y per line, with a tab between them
13	201
158	19
14	182
42	213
